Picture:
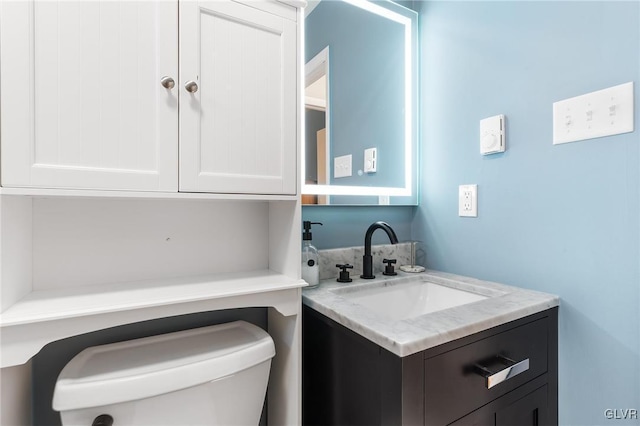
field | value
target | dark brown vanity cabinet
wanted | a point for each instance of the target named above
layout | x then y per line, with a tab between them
349	380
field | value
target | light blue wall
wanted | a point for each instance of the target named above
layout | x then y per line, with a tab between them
562	219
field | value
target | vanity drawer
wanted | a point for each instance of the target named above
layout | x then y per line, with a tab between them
454	381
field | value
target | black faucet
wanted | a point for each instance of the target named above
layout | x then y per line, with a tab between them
367	259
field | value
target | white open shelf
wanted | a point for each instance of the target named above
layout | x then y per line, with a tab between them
45	316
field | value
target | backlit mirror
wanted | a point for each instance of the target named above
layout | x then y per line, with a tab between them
360	103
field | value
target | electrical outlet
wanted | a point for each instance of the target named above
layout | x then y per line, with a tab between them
468	200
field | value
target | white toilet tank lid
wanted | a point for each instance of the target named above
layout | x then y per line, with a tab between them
142	368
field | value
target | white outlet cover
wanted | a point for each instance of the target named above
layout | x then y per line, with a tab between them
342	166
492	135
605	112
468	200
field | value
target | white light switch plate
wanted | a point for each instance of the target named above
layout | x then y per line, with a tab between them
468	200
492	135
342	166
603	113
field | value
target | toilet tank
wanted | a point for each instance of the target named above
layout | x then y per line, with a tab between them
213	375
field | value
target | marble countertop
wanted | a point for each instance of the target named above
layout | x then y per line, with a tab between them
408	336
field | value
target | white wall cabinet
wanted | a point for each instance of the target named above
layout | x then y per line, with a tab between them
123	200
237	132
83	105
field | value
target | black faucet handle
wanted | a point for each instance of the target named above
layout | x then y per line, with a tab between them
344	274
389	269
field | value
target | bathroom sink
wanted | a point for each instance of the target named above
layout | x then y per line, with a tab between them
408	300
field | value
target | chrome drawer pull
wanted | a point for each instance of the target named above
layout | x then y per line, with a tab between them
494	378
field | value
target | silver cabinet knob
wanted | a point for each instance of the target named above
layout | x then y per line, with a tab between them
191	86
167	82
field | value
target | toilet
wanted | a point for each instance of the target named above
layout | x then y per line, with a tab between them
213	375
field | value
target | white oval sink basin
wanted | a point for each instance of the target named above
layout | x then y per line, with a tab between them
409	300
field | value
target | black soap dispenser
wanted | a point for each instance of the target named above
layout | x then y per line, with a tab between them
310	267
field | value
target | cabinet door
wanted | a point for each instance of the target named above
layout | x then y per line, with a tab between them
529	410
82	103
482	417
532	410
238	130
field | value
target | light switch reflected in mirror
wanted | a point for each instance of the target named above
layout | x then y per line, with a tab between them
360	94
